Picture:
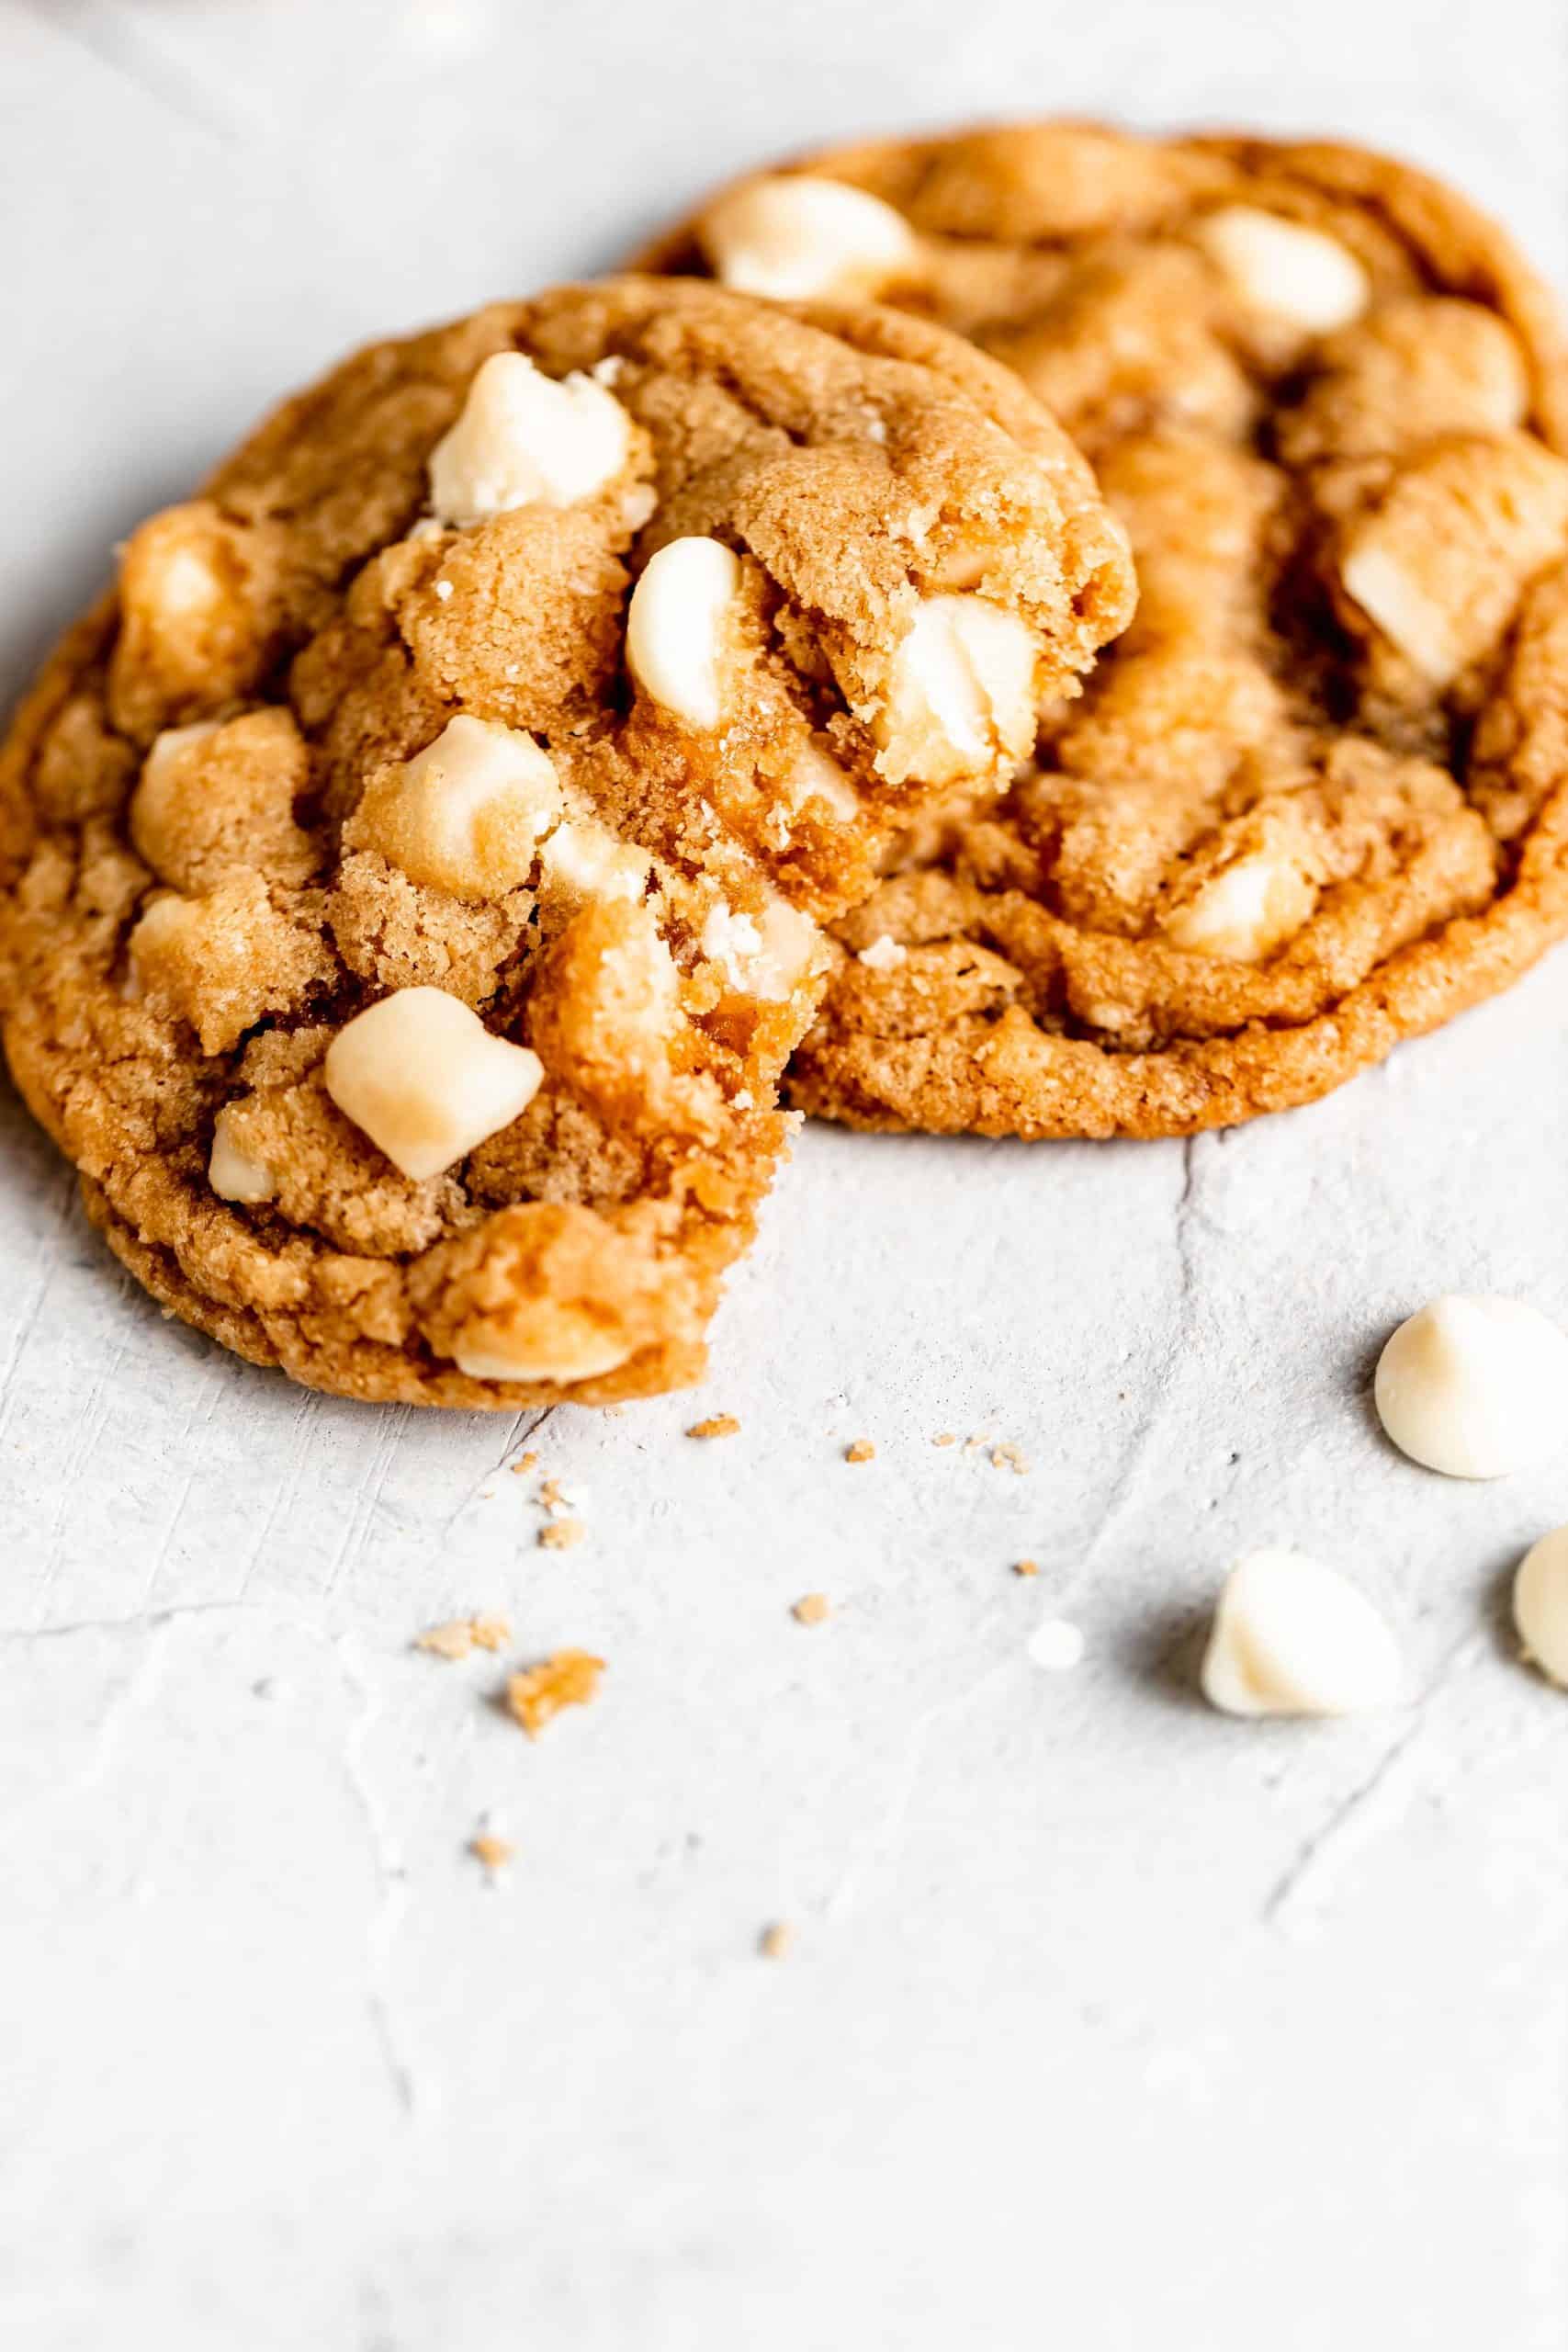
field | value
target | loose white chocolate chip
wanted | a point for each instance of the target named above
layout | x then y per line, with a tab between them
584	860
425	1079
1286	271
962	687
678	624
884	955
1247	911
234	1173
1541	1604
523	438
1475	1387
794	240
465	814
1292	1637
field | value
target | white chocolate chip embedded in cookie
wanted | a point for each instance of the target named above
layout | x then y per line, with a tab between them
767	954
962	690
679	624
582	863
1475	1387
1247	911
1292	1637
465	814
426	1080
1285	271
234	1173
1541	1604
797	240
524	438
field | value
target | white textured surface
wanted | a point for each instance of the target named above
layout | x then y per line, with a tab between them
1109	2022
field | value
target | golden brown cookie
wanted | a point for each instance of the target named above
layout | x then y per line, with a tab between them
409	878
1316	800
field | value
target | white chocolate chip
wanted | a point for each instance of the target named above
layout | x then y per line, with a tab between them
678	624
961	688
769	954
234	1173
466	813
425	1079
817	775
1292	1637
543	1352
1475	1387
523	439
884	955
1246	911
1286	271
584	860
1422	626
796	239
1541	1604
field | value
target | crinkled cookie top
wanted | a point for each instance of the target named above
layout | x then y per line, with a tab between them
1314	800
412	872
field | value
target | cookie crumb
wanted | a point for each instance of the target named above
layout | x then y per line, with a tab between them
459	1636
861	1450
566	1678
1026	1567
1009	1456
525	1461
776	1942
811	1608
947	1436
561	1534
973	1445
717	1425
493	1851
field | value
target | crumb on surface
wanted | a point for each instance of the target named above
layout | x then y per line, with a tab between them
861	1450
525	1461
775	1941
458	1635
1009	1456
493	1851
717	1425
811	1608
946	1437
566	1678
1026	1567
561	1534
973	1445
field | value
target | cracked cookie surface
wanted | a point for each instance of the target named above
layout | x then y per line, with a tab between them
412	873
1315	800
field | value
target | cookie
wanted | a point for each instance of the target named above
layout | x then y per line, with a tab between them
1315	801
412	874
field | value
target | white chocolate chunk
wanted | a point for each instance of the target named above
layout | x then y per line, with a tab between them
550	1349
1475	1387
962	687
817	775
884	955
584	860
1246	911
766	954
466	813
795	239
425	1079
1422	626
1292	1637
678	625
1541	1604
1286	271
525	438
234	1173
